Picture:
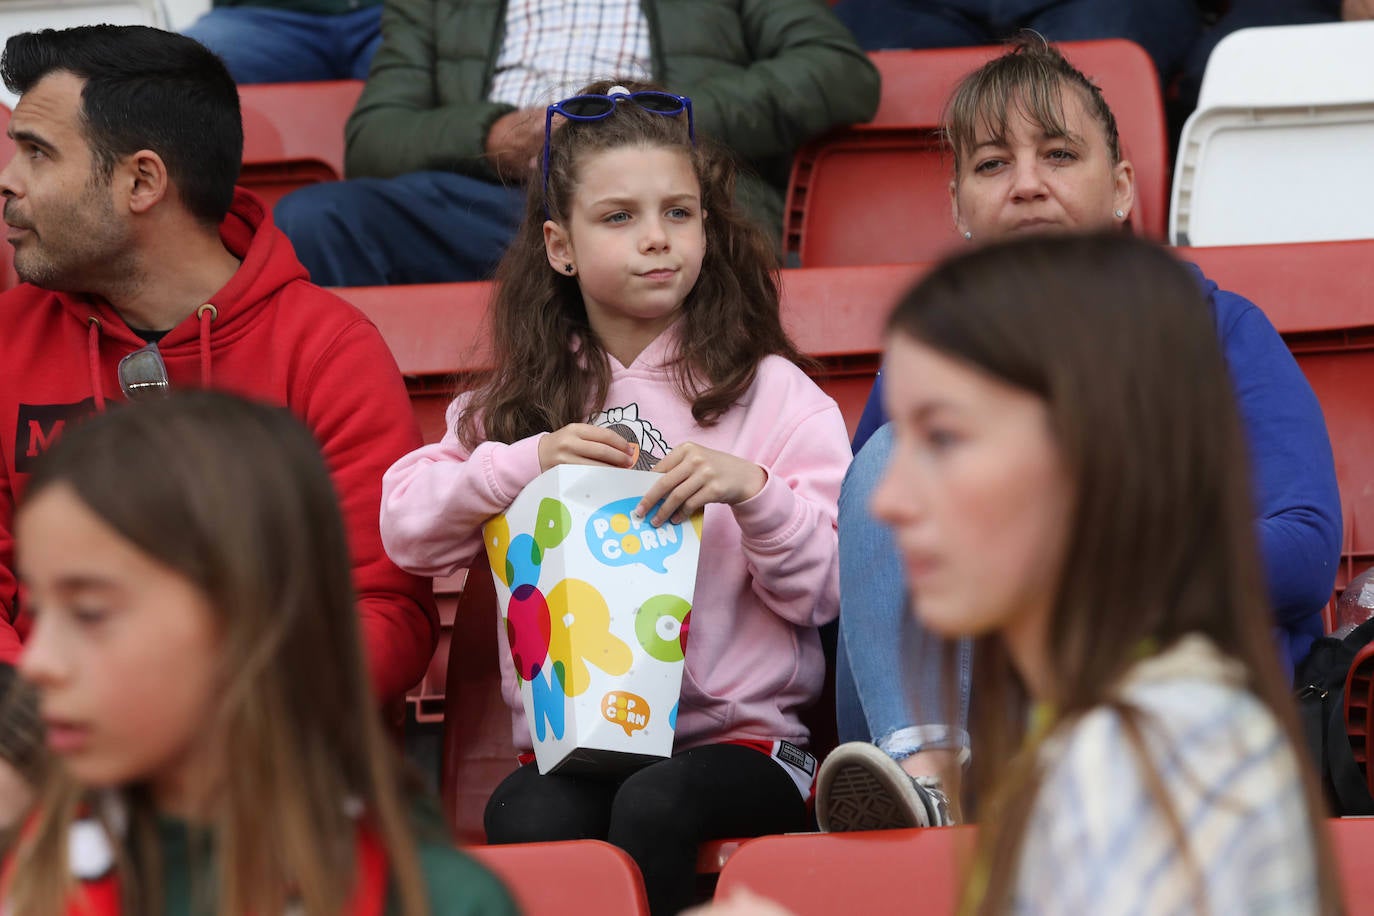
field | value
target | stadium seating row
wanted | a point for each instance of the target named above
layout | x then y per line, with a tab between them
892	170
818	874
1320	296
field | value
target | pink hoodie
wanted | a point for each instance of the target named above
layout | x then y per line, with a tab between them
768	573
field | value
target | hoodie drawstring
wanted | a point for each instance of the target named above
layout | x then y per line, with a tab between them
206	313
93	357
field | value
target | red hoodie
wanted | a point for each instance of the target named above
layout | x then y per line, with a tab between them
273	336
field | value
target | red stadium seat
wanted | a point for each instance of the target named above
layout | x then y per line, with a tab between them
478	750
434	332
426	699
579	878
878	193
293	134
817	874
1320	296
438	335
836	315
1353	843
1359	703
890	870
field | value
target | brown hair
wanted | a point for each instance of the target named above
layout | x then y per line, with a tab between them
1116	337
731	318
235	497
1028	79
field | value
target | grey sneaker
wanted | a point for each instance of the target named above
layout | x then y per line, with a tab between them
861	788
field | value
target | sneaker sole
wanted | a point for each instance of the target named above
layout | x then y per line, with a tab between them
855	797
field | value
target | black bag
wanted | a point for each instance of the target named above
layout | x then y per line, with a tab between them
1321	709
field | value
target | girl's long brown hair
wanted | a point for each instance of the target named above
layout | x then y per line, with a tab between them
236	497
1118	340
730	322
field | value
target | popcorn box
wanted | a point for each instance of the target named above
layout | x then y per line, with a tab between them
597	606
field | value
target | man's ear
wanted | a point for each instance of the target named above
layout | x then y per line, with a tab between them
559	248
142	179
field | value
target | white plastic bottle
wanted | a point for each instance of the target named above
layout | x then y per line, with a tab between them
1356	604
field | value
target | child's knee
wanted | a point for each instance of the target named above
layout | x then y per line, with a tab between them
650	802
530	808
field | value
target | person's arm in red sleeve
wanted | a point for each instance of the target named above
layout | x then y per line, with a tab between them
356	405
9	590
20	735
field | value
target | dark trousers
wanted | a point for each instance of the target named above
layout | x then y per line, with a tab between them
659	815
425	227
1164	28
1245	14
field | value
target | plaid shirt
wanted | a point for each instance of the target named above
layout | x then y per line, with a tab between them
1097	840
552	48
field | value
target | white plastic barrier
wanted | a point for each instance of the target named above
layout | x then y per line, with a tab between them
1280	145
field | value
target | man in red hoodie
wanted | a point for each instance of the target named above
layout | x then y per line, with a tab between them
145	268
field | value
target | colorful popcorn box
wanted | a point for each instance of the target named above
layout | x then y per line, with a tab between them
597	606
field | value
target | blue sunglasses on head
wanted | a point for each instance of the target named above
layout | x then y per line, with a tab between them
597	107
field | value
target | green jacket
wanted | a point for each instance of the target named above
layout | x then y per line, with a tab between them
764	76
458	885
322	7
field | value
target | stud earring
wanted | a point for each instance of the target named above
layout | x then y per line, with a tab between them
568	268
1120	214
968	236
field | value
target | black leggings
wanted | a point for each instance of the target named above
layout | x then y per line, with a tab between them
659	814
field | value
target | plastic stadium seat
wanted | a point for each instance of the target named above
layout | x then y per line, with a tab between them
478	750
1359	702
922	871
884	871
1283	113
1353	842
836	316
438	335
426	699
1320	297
579	878
293	134
433	332
878	193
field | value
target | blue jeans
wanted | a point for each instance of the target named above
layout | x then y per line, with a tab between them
262	45
891	675
424	227
1164	28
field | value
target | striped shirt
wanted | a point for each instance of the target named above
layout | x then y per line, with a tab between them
1098	843
552	48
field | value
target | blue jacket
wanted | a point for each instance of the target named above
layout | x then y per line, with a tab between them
1293	472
